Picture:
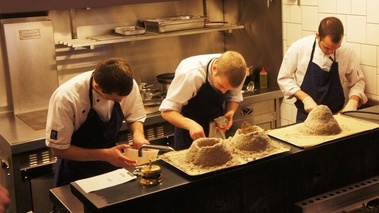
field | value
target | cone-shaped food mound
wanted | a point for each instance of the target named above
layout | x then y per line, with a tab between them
320	121
207	152
250	138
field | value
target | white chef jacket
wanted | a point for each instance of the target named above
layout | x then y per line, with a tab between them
69	106
189	77
295	64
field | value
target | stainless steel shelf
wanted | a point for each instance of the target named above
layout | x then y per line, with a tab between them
92	41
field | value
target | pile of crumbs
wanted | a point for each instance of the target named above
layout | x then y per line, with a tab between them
320	121
191	162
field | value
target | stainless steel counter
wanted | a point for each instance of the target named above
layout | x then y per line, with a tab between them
18	135
273	184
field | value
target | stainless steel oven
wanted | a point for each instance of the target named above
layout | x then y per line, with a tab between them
28	176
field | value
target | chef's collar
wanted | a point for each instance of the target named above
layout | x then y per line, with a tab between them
209	70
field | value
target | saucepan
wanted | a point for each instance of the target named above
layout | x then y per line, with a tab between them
165	80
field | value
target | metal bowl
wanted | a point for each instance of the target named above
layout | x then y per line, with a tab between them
165	80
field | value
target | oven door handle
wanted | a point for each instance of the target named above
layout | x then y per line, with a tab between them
246	111
37	171
4	163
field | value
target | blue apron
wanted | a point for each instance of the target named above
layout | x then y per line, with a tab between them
202	108
324	87
93	134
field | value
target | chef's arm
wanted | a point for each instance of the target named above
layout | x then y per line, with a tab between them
230	109
300	95
307	100
355	98
177	119
112	155
136	129
352	104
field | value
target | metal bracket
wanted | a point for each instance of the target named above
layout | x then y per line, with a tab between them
74	33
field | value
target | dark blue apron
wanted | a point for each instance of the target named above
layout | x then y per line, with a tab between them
202	108
93	134
324	87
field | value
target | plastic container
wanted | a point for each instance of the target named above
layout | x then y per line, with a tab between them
263	78
146	155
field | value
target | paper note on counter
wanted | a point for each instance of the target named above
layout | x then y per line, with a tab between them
106	180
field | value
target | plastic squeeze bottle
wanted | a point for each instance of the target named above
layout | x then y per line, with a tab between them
263	78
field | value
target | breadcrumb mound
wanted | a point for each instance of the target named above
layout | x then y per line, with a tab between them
250	138
209	152
320	121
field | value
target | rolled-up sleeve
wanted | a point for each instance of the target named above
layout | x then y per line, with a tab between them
355	78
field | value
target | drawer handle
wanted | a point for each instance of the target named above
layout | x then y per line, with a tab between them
246	111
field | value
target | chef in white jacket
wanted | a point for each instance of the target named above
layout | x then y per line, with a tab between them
315	67
85	116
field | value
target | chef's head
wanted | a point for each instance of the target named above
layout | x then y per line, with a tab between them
229	71
330	34
113	79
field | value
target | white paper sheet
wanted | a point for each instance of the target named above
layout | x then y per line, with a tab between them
106	180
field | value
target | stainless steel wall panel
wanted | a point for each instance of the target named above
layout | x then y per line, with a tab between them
30	54
261	40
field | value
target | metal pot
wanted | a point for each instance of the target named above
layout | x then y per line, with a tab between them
149	92
165	80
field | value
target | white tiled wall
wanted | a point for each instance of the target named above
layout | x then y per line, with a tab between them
361	22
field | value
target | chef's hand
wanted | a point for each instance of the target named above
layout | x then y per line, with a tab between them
196	131
309	104
116	157
350	106
139	141
136	128
229	116
4	199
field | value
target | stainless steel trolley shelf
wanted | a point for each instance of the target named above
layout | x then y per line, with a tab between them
92	41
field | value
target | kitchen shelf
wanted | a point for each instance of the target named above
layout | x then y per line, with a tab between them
92	41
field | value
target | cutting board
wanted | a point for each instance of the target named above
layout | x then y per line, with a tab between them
292	134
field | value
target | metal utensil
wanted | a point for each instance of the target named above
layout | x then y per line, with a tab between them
159	147
250	86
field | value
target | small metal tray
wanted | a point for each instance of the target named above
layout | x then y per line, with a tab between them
130	30
174	23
